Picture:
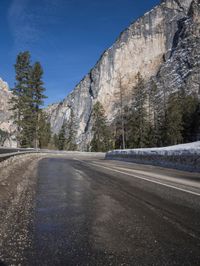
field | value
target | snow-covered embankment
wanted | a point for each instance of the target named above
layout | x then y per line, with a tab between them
183	156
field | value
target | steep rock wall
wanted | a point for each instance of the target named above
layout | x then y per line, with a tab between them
148	46
6	123
183	66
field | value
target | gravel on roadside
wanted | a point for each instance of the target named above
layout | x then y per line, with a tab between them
18	179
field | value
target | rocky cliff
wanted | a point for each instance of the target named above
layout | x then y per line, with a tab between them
162	45
6	124
183	65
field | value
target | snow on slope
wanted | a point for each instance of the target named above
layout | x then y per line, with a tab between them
189	148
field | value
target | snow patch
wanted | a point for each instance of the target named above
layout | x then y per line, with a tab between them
188	148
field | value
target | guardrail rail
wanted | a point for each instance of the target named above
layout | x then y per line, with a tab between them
6	153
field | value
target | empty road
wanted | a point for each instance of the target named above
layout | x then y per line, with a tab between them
90	211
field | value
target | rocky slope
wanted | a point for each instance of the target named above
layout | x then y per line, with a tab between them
183	66
162	45
6	123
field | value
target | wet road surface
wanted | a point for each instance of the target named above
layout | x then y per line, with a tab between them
96	212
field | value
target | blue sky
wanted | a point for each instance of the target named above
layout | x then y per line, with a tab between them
66	36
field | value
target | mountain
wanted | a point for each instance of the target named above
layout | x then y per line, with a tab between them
163	46
7	128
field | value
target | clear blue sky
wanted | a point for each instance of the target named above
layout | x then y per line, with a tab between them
66	36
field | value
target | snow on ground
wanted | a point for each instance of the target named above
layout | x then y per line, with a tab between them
188	148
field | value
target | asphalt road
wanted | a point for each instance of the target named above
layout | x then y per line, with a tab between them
97	212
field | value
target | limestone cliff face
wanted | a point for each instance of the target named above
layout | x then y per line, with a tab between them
183	66
163	45
6	123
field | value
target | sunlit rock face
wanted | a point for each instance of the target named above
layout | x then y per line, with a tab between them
4	85
182	67
6	123
162	45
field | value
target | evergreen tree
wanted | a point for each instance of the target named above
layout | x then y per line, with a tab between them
3	136
37	97
62	137
21	95
138	121
121	127
174	120
196	124
190	119
55	141
102	140
182	119
154	116
26	101
44	131
117	128
70	143
131	129
120	141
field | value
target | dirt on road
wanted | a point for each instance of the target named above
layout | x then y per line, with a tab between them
17	190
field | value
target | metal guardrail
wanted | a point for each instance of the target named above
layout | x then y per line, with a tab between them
13	150
6	153
5	156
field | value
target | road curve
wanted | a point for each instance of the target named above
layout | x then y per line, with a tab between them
89	211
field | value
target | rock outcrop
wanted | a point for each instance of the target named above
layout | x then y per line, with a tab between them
183	65
6	124
162	45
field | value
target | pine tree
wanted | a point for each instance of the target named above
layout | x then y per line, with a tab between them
55	141
189	108
37	97
121	128
62	137
44	130
174	120
70	143
102	140
153	114
157	116
131	129
3	136
196	124
139	120
26	101
21	95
